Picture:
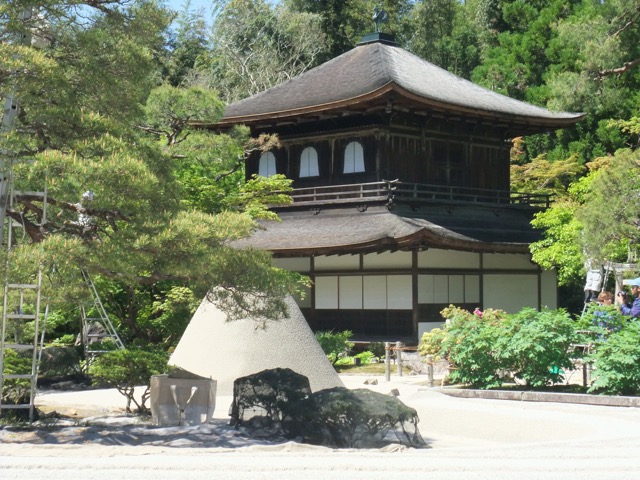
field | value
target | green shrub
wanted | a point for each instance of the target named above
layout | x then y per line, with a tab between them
16	391
535	346
365	357
127	369
335	345
67	339
617	362
602	319
102	345
377	348
343	361
432	343
470	346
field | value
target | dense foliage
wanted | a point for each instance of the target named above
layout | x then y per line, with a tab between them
536	346
536	349
16	390
336	345
469	345
484	347
596	220
617	362
136	197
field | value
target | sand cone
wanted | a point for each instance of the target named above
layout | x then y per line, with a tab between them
213	347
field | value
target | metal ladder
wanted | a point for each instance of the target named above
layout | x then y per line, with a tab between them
88	336
21	305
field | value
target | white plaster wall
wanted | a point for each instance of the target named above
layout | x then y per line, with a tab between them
297	264
387	260
456	288
549	290
436	258
425	289
506	261
448	289
337	262
510	292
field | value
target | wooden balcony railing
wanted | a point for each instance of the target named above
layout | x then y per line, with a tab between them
394	191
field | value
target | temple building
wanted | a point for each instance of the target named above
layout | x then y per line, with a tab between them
402	202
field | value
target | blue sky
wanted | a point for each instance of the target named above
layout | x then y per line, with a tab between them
195	5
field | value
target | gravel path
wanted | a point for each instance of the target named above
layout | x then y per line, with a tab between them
469	439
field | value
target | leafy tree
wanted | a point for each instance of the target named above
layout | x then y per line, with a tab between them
542	176
596	221
443	32
611	214
344	22
560	247
85	125
257	45
209	167
481	346
186	45
518	61
16	390
431	343
562	54
594	63
335	345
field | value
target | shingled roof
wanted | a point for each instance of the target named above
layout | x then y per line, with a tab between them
336	231
374	70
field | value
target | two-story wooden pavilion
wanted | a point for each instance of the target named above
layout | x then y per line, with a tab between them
402	203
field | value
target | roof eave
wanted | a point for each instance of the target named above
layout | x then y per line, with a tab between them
314	109
528	121
416	240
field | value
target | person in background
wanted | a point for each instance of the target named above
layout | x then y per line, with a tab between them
634	310
605	298
601	317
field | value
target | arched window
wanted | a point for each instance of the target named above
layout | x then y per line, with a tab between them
353	158
309	163
267	165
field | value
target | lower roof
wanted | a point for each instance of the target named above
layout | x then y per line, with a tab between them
377	229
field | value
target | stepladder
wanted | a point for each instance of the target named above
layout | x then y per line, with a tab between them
98	333
20	345
22	328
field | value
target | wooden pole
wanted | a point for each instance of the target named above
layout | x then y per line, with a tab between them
387	361
429	370
399	358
